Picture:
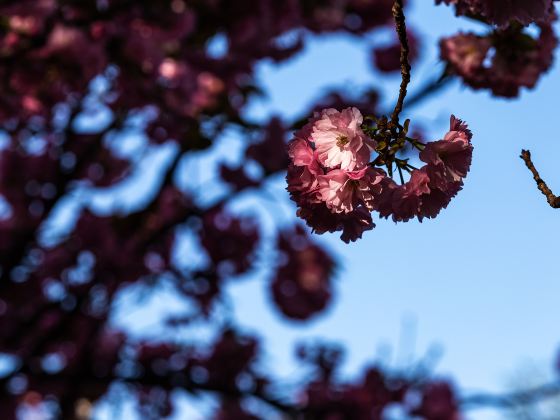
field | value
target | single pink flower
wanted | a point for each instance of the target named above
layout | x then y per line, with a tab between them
449	160
302	285
300	152
321	220
343	191
436	200
340	141
354	224
303	183
407	198
303	172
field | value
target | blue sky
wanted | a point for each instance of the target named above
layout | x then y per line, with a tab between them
479	283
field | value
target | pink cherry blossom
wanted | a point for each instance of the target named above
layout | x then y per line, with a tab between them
303	184
300	152
449	160
303	172
404	201
321	220
436	200
343	191
340	141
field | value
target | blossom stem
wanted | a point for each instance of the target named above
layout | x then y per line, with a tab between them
401	175
416	144
553	200
398	14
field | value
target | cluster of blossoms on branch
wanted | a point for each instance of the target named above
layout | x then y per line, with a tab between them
336	180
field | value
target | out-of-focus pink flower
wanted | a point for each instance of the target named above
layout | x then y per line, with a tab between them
233	410
302	285
503	61
438	402
466	53
388	59
229	241
339	139
270	152
237	178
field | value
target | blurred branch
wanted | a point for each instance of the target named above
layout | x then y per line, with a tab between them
524	397
429	88
553	200
62	183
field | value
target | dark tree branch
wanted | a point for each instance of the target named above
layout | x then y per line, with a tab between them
398	14
553	200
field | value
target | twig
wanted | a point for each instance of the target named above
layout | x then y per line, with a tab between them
553	200
398	14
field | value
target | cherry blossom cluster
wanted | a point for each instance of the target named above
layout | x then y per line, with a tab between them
335	180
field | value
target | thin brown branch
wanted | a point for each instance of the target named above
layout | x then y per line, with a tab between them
398	14
553	200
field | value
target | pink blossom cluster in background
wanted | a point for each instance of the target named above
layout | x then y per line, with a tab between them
496	63
508	56
504	12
